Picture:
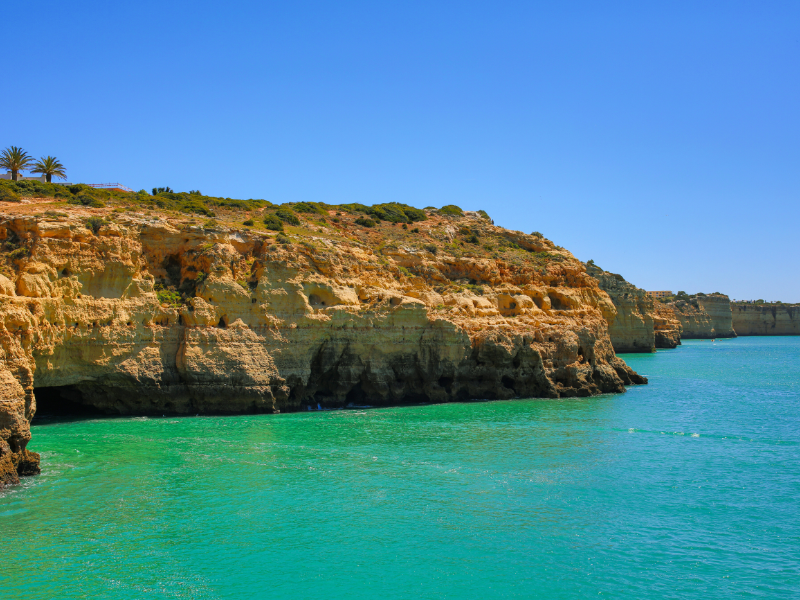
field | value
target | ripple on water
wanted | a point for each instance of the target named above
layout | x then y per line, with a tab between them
683	488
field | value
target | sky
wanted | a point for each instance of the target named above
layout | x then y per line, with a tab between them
660	139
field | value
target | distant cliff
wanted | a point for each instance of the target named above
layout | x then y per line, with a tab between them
704	316
766	319
631	329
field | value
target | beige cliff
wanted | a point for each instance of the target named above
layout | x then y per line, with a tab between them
667	327
766	319
704	316
152	313
630	326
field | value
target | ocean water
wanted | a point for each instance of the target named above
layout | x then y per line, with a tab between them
686	488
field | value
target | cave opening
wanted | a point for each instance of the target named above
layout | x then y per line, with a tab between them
62	401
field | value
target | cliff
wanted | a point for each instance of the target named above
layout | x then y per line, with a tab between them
667	327
703	316
631	325
130	308
766	319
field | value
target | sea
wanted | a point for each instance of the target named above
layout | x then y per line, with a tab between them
688	487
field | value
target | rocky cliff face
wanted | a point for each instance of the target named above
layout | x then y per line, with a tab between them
703	316
766	319
631	326
667	327
153	314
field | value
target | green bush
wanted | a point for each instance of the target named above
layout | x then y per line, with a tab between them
249	222
485	215
8	195
287	216
19	253
282	239
537	234
86	200
451	210
95	223
395	212
272	222
473	239
310	207
365	222
169	297
431	248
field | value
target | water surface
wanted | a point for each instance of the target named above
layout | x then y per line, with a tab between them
688	487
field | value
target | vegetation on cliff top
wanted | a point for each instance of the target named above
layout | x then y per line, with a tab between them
386	228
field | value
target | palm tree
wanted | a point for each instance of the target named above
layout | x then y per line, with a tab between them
49	165
15	159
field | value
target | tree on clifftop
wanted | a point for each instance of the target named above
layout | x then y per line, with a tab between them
15	159
49	165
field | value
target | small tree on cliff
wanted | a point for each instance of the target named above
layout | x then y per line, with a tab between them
15	159
49	165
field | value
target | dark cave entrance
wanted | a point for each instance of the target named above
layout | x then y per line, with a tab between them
61	401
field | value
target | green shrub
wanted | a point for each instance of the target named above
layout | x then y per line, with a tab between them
473	239
537	234
395	212
310	207
8	195
282	239
19	253
170	297
287	216
415	230
94	223
431	248
273	222
249	222
365	222
485	215
451	210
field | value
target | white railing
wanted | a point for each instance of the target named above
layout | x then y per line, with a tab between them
114	186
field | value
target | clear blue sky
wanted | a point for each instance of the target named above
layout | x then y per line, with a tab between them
661	139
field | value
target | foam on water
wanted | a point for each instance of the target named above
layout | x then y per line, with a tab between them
684	488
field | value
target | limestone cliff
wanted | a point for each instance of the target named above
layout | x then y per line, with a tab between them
703	316
766	319
148	312
667	327
631	325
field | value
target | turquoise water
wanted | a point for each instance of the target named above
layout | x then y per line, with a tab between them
686	488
